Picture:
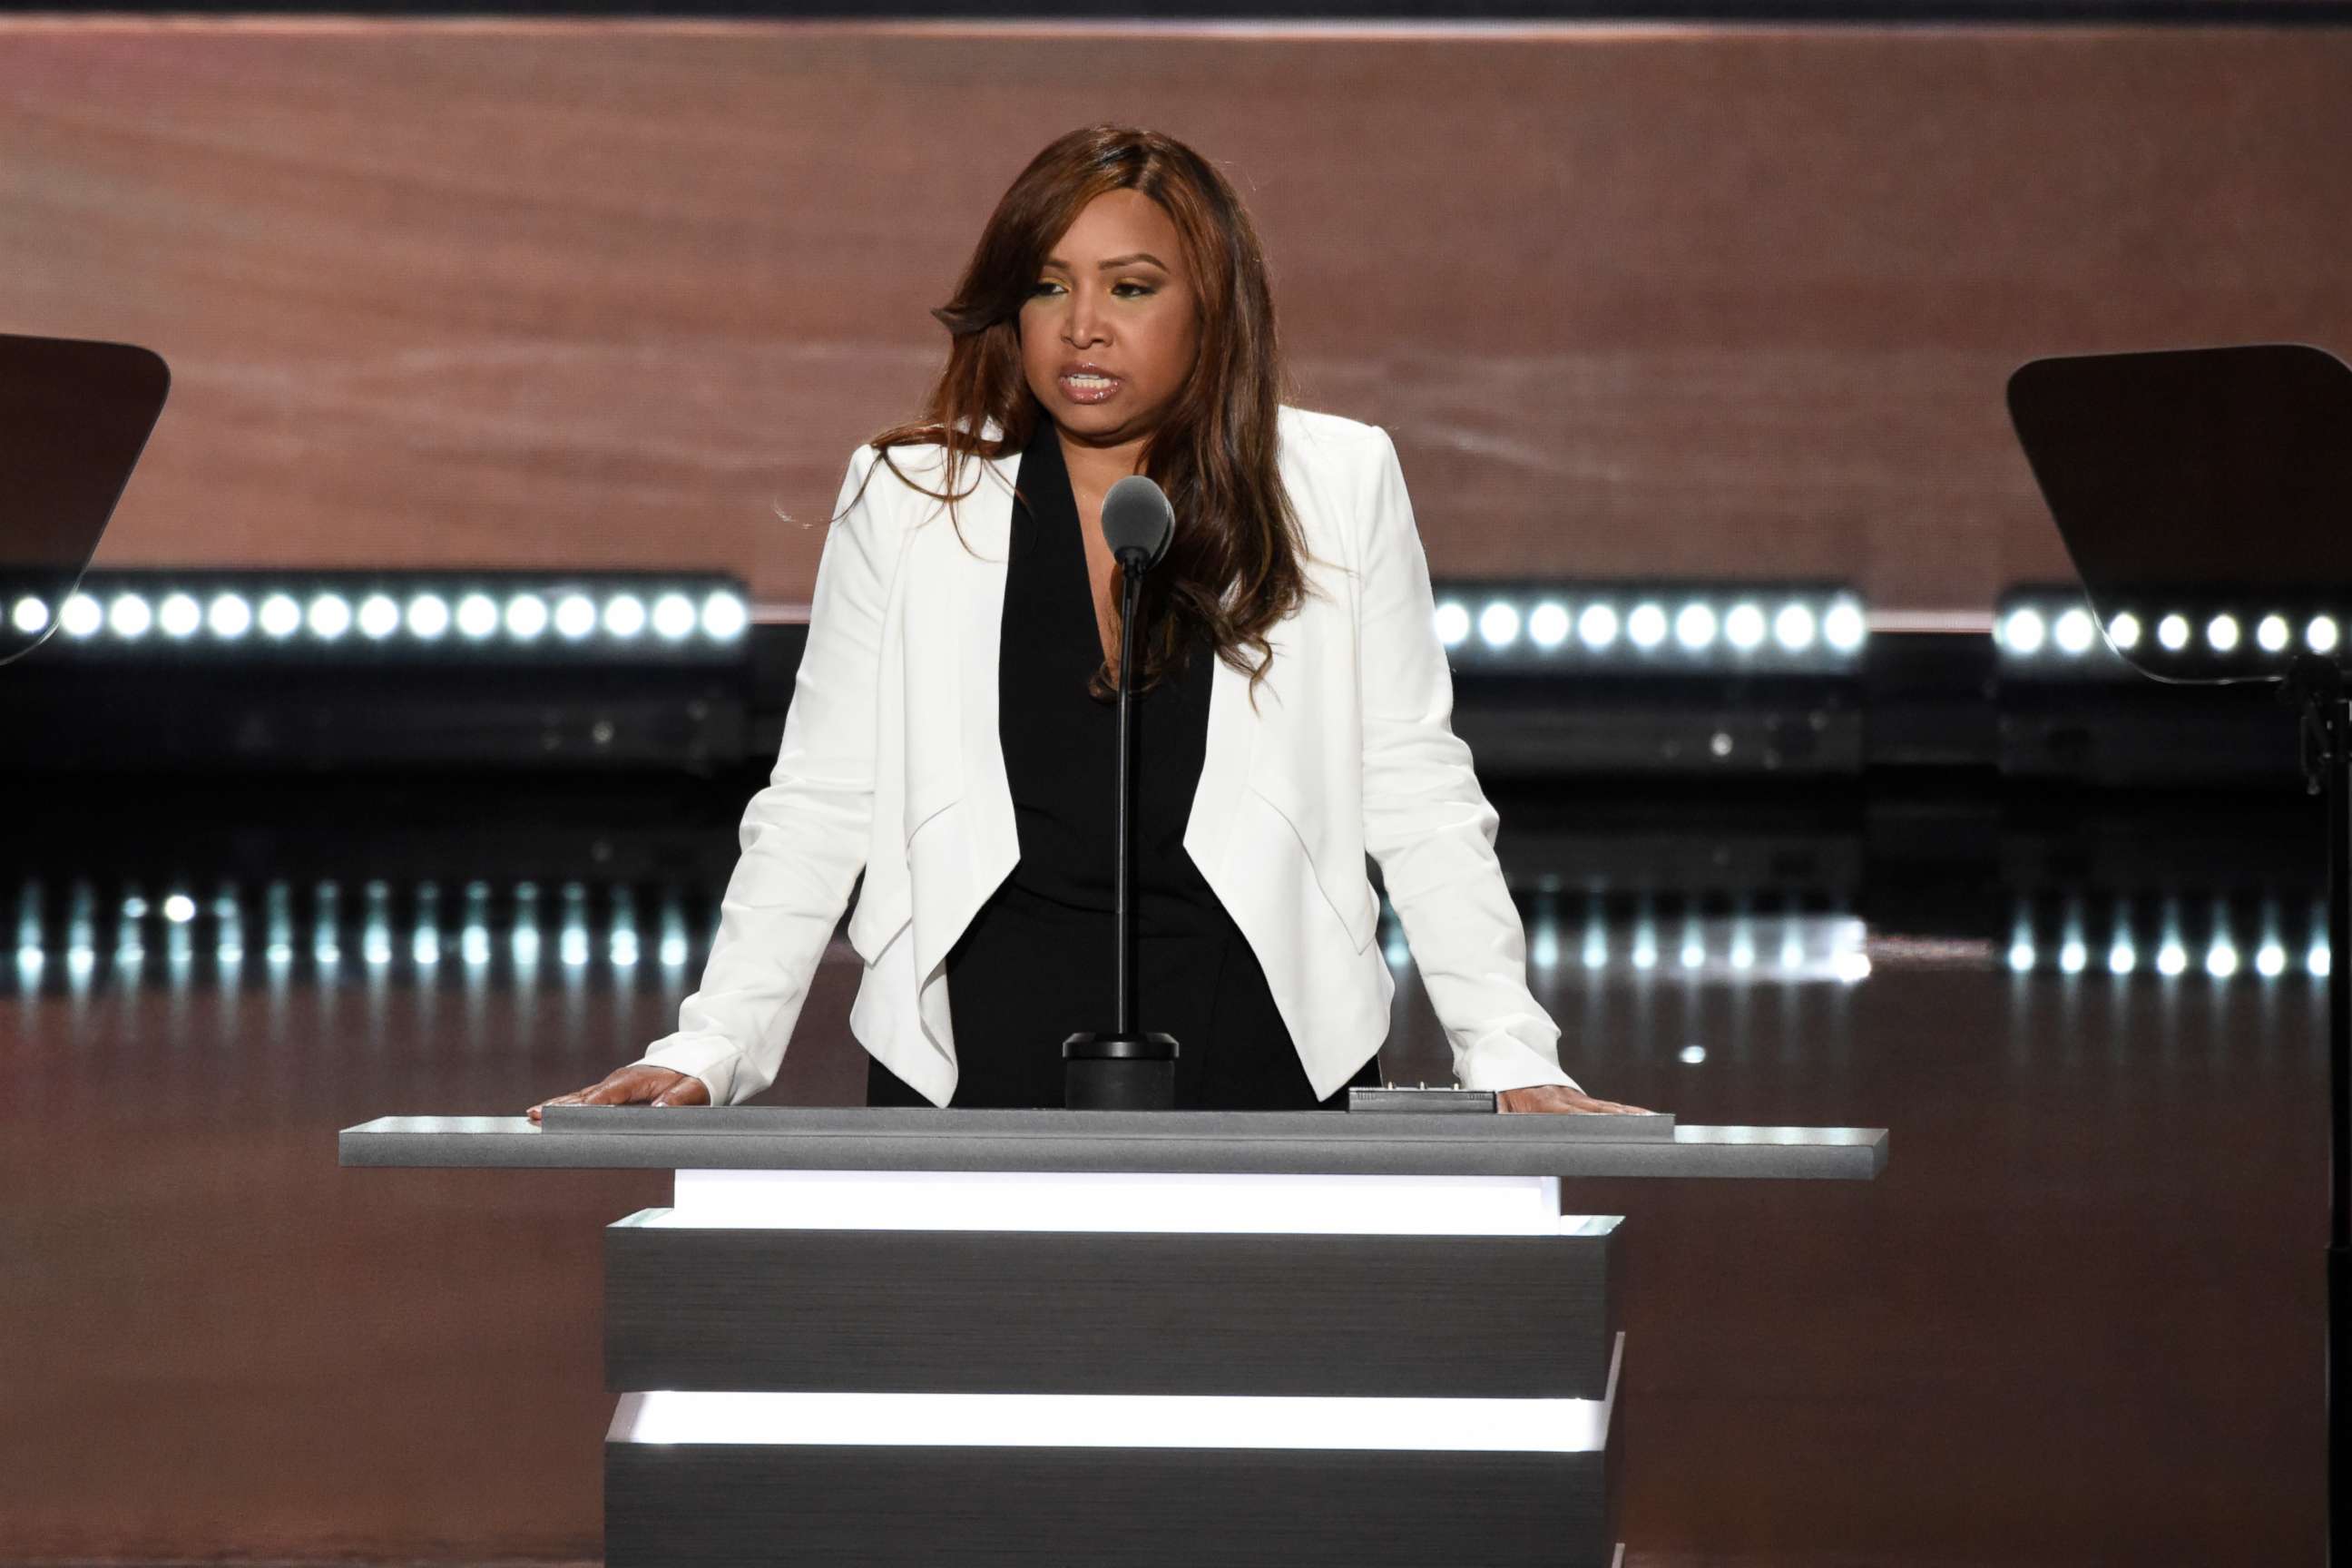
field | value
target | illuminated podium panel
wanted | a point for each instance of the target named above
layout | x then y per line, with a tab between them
871	1337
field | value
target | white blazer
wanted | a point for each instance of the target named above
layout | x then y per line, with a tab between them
891	764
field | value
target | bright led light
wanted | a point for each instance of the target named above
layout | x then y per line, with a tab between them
1597	628
1843	627
1646	627
30	616
2023	631
575	616
379	616
2124	630
2321	633
2318	959
2171	958
1694	955
1695	626
477	615
574	947
1596	952
674	617
2173	632
724	616
623	950
1499	625
2220	960
1645	956
180	615
673	951
2072	957
1694	1054
331	616
229	616
2073	632
2271	961
475	945
625	615
281	618
178	908
2272	633
428	617
130	616
1548	625
1453	624
2122	959
1794	627
2221	633
526	616
1853	968
81	616
425	947
1743	628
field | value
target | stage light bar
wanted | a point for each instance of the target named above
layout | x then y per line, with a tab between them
381	617
1651	627
2049	633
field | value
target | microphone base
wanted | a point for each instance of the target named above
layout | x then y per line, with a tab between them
1120	1072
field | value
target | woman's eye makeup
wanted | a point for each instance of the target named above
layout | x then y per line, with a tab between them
1044	284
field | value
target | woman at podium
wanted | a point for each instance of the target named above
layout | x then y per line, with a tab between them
952	729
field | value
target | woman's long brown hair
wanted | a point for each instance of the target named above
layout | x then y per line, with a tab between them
1234	567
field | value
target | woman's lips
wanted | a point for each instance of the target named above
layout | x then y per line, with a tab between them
1088	389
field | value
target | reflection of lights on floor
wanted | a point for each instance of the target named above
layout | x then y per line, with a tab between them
2172	942
400	929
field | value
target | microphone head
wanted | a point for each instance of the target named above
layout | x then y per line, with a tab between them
1135	516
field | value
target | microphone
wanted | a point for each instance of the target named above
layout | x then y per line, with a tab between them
1135	516
1126	1069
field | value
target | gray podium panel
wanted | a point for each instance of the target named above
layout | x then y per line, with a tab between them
693	1307
1260	1143
879	1504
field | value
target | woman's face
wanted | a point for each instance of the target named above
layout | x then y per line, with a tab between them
1112	295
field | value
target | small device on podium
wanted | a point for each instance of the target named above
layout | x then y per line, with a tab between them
2205	498
1423	1098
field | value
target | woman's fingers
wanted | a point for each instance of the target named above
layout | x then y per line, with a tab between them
632	1085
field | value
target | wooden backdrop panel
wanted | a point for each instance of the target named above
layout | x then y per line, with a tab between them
1723	301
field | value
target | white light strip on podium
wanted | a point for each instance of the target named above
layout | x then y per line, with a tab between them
1114	1421
1119	1201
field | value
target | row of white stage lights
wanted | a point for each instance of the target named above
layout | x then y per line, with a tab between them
1711	624
425	616
2064	632
284	939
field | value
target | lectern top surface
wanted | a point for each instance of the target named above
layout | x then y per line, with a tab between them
1258	1142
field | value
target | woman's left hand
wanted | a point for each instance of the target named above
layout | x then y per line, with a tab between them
1560	1097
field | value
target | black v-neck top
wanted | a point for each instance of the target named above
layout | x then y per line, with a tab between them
1036	964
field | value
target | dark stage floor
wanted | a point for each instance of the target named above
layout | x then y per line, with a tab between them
2077	1321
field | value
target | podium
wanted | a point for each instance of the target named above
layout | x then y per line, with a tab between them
1121	1339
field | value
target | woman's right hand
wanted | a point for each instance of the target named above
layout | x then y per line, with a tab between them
635	1085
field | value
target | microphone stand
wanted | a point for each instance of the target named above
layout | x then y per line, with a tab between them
1126	1069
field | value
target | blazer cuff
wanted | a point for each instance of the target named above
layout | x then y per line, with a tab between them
711	1057
1501	1061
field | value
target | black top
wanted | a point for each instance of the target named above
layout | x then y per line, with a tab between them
1036	964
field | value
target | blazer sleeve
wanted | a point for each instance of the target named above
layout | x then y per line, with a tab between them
803	835
1427	822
